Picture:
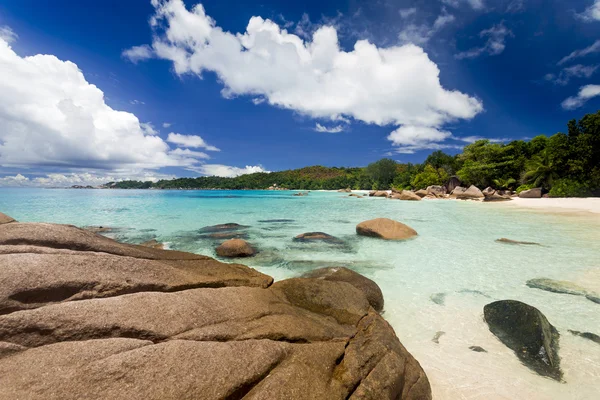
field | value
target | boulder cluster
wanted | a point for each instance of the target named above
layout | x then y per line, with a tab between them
85	317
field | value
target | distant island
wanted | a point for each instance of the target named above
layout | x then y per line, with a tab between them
563	165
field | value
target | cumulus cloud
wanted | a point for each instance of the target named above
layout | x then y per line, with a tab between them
495	44
412	138
333	129
183	153
397	85
421	34
52	117
138	53
82	179
585	93
594	48
475	4
227	171
568	73
193	141
148	128
7	34
592	13
166	124
407	12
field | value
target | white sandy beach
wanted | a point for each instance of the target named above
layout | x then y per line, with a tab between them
558	205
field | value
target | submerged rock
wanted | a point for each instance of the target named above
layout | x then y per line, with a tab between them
277	221
5	219
224	235
564	287
222	227
526	331
153	243
510	241
152	324
587	335
385	228
235	248
437	336
478	349
342	274
358	196
317	237
438	298
531	193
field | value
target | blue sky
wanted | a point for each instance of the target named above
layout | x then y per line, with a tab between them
170	88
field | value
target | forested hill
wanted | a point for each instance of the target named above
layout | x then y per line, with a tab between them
565	164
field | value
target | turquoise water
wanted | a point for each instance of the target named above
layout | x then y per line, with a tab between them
455	256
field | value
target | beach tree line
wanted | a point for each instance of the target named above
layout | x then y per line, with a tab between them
564	164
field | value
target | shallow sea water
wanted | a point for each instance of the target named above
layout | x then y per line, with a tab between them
455	259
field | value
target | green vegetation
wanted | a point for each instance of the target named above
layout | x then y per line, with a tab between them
564	165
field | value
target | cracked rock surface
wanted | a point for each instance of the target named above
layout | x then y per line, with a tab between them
85	317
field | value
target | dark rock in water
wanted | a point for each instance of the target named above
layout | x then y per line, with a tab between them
235	248
224	235
553	286
472	291
317	236
152	324
437	336
5	219
526	331
509	241
478	349
595	299
362	283
587	335
438	298
222	227
276	221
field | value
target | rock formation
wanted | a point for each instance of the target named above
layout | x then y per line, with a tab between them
233	248
531	193
384	228
84	317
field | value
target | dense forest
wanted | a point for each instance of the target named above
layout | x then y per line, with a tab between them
564	165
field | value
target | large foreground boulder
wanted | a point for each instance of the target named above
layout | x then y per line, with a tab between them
526	331
233	248
343	274
5	219
384	228
531	194
84	317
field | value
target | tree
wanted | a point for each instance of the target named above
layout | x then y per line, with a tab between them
382	172
430	176
540	171
438	159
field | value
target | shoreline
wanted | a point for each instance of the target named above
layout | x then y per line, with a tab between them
563	205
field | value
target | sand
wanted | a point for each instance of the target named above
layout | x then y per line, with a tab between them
559	205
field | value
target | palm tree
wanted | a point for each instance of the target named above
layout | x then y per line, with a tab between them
540	171
504	183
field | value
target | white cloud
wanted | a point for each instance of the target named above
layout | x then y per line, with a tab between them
592	13
188	153
585	93
193	141
138	53
495	44
82	179
258	100
407	12
475	4
575	71
166	124
136	102
227	171
421	34
7	34
333	129
473	139
397	86
515	6
594	48
148	128
412	138
51	116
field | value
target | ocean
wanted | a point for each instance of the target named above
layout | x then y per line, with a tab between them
437	282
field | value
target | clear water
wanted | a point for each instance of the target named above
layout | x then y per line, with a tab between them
454	254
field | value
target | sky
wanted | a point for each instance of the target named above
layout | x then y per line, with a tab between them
92	92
